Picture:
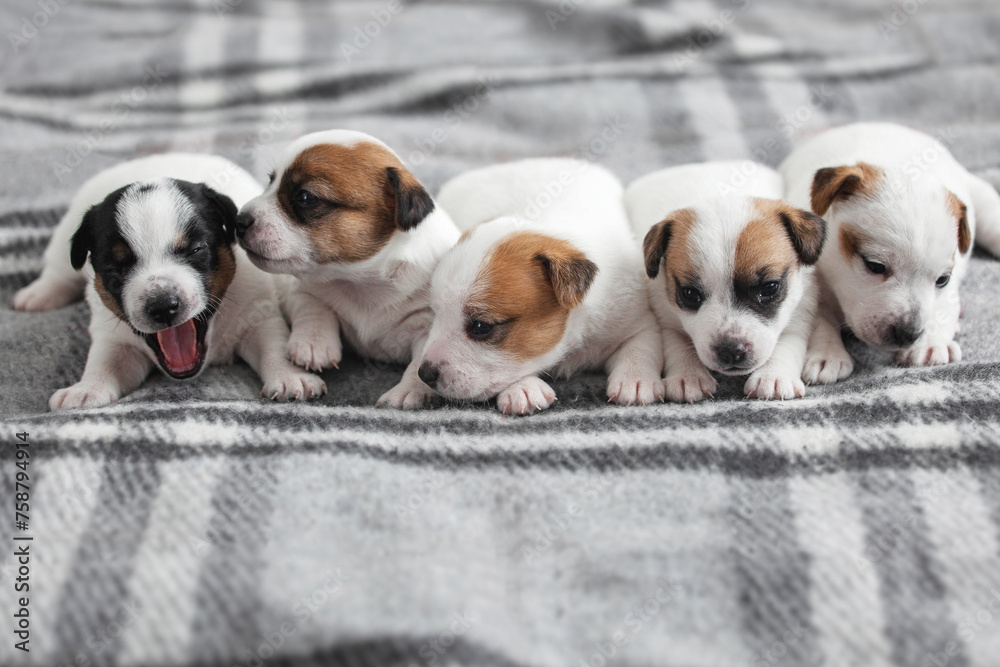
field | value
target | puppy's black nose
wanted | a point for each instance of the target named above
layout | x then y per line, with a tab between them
904	334
244	221
163	307
429	374
730	352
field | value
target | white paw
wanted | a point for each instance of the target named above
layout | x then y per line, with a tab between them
525	396
44	295
930	355
293	384
635	389
407	395
84	395
769	383
314	352
827	366
691	386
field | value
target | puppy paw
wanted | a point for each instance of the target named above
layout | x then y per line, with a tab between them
690	386
407	395
293	384
930	355
84	395
827	366
44	294
525	396
635	388
314	352
769	383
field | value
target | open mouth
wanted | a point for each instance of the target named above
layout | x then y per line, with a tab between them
181	349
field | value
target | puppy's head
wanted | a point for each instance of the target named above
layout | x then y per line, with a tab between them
897	244
733	270
162	256
502	299
338	198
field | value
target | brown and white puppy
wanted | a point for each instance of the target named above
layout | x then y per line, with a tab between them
362	236
903	218
732	270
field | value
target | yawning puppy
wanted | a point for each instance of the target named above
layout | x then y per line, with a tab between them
547	278
903	217
733	281
362	236
165	283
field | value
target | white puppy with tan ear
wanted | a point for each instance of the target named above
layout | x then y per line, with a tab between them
362	235
732	276
546	279
903	218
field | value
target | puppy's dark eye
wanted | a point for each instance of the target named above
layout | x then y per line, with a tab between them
691	296
942	280
479	330
878	268
305	199
270	177
197	250
768	291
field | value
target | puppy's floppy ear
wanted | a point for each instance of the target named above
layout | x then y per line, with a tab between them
654	246
83	238
569	272
959	210
833	183
224	209
411	201
807	232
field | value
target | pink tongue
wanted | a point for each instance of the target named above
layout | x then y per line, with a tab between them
179	345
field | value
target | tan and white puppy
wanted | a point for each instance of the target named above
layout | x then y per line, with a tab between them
153	243
546	279
362	236
903	218
732	276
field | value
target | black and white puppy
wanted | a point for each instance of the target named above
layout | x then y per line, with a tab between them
166	283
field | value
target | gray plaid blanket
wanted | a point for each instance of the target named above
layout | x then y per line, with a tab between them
196	524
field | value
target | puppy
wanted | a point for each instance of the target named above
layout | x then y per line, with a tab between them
732	276
546	279
903	218
362	236
166	285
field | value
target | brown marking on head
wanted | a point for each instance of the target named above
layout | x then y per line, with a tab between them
109	301
850	238
668	238
527	287
778	228
222	275
363	194
120	252
959	211
839	183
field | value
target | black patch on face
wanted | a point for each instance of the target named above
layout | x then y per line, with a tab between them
110	254
754	294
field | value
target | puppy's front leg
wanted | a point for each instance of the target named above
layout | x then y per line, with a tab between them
827	360
527	395
264	349
781	376
634	369
687	380
315	340
410	392
937	345
113	369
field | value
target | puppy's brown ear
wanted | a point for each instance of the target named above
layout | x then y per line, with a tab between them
83	238
807	232
654	246
410	200
960	212
838	183
569	271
